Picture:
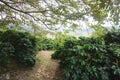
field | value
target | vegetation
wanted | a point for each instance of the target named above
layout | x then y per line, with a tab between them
49	13
85	58
6	51
46	44
90	58
18	46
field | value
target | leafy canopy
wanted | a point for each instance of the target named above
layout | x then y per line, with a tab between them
50	13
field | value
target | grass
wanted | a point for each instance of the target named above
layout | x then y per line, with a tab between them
40	59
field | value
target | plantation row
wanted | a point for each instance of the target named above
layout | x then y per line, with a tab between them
19	47
90	58
81	58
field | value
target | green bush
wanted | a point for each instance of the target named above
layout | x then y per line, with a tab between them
46	44
67	43
70	42
89	59
6	51
112	37
1	33
24	44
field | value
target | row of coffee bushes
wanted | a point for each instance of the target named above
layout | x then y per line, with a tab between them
17	46
90	58
45	43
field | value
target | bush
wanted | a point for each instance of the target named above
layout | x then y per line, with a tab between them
70	42
24	45
67	43
6	51
112	37
46	44
89	59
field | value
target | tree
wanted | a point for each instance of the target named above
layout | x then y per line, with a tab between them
99	30
51	13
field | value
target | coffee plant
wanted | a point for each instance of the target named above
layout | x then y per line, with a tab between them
20	46
90	58
6	52
46	44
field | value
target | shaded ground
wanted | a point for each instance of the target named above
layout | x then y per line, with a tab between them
45	69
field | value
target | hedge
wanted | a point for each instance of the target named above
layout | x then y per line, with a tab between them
46	44
90	58
20	46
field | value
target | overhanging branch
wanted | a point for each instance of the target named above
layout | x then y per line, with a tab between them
26	12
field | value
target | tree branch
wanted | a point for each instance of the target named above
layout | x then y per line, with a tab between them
26	12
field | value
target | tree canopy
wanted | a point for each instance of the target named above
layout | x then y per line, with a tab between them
55	13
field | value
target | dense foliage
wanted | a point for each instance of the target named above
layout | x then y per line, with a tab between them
59	12
20	46
112	37
45	43
90	58
6	51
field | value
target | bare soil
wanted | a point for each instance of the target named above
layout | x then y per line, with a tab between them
45	69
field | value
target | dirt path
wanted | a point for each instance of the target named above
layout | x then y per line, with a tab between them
45	69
